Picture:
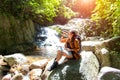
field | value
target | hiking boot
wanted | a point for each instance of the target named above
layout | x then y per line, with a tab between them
53	66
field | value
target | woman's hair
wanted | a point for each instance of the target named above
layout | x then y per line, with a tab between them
74	34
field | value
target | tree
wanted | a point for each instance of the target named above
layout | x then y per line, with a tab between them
106	14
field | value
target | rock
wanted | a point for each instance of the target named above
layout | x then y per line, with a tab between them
18	76
39	64
15	35
109	73
112	43
35	74
86	68
7	77
46	73
103	52
89	45
89	66
16	58
2	61
105	57
66	71
3	67
24	69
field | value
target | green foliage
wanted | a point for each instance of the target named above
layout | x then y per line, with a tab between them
59	30
65	12
13	7
115	59
107	16
38	10
44	9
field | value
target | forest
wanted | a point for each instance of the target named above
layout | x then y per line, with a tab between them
46	12
31	33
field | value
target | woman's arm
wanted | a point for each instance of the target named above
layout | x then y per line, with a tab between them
63	40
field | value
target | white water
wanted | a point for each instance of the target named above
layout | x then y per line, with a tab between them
48	42
48	48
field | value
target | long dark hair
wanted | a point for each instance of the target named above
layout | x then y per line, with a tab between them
72	39
74	35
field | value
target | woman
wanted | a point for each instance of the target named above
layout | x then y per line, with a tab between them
70	50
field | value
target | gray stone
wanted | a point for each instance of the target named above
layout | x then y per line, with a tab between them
89	66
66	71
17	58
35	74
18	76
104	55
89	45
109	73
39	64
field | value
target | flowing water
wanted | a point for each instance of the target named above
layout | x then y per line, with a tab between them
47	41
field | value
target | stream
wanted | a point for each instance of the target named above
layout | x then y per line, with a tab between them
47	41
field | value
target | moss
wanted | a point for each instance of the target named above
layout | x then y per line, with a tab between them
15	34
115	59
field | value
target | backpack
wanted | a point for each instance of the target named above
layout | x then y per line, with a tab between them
76	55
79	39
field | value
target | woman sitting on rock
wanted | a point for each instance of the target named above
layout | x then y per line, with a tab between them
70	50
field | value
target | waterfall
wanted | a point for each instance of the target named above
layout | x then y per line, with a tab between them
47	41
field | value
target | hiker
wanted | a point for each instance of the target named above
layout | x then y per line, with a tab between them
70	50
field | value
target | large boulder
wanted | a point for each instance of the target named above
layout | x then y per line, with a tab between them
66	71
89	45
85	68
17	58
107	52
109	73
89	66
39	64
103	55
35	74
113	43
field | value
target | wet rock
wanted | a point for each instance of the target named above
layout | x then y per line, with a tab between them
109	73
103	52
112	43
17	58
2	61
24	69
66	71
7	77
89	45
18	76
35	74
105	57
39	64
